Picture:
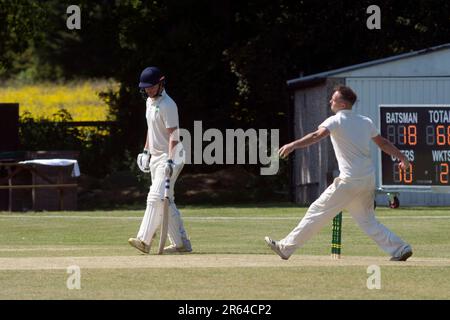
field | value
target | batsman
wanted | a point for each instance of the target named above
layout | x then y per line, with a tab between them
162	157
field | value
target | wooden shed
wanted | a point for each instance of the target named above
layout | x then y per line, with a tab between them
419	77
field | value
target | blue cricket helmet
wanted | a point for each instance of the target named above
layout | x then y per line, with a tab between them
150	76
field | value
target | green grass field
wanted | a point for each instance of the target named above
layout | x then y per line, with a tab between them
230	259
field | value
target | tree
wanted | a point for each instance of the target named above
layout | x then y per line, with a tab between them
226	61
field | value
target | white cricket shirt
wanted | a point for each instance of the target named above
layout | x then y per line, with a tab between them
161	114
351	135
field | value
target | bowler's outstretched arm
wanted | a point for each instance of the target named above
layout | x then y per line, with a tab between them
306	141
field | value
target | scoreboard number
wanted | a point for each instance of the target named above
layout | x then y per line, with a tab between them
422	134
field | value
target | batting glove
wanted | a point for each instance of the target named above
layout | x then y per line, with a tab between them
168	170
143	161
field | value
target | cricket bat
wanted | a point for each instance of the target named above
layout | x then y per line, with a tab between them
165	217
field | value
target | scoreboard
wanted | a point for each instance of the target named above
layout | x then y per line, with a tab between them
422	133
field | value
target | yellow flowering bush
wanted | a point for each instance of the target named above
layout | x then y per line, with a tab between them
81	100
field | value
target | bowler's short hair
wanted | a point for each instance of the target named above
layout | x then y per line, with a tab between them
347	94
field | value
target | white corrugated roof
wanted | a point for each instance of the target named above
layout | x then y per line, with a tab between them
314	78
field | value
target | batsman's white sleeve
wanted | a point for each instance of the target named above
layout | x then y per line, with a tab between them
170	114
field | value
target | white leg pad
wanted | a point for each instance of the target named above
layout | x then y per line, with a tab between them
151	221
177	233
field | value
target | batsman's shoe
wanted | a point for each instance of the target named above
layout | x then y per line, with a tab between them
274	245
174	249
187	244
140	245
406	253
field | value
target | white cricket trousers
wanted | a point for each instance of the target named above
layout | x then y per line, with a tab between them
355	195
153	213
